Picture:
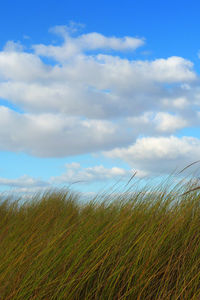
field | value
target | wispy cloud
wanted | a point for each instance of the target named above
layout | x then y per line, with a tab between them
76	45
23	182
74	173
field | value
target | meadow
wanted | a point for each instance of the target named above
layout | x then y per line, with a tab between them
141	244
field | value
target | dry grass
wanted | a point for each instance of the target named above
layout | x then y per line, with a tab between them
144	245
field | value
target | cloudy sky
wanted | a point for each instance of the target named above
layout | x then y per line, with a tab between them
91	92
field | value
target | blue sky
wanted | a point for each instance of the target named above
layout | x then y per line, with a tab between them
93	91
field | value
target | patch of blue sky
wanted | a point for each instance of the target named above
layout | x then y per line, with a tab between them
7	103
49	61
14	165
169	29
189	131
149	19
108	162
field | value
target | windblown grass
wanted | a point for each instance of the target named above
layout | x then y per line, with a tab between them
141	245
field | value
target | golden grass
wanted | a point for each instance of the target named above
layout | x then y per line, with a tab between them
141	245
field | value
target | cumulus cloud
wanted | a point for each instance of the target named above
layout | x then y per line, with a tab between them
91	85
17	66
166	122
87	98
57	135
51	135
160	122
179	102
159	155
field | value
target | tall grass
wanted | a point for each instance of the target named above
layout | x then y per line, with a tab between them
139	245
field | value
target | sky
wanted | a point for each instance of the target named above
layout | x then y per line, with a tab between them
92	92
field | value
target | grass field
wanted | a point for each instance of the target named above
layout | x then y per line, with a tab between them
140	245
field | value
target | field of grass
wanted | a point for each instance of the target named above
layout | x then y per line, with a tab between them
139	245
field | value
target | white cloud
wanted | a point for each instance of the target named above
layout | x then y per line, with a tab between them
91	41
74	173
55	135
157	155
172	69
91	86
180	102
24	181
65	30
160	122
90	99
96	85
73	165
12	46
166	122
18	66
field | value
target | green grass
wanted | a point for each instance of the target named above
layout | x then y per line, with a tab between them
139	245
